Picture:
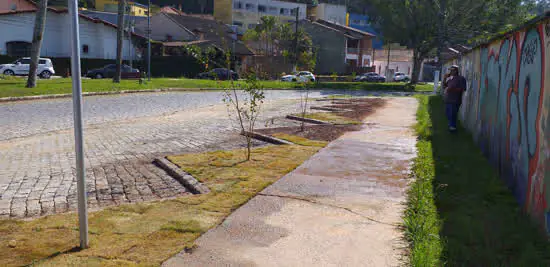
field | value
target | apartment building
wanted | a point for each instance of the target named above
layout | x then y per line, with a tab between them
245	14
134	8
329	12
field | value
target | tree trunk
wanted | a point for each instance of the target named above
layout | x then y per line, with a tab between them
37	35
120	37
417	64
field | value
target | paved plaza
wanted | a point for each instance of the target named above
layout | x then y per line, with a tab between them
37	175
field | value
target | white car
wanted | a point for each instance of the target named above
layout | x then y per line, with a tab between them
302	76
21	67
401	77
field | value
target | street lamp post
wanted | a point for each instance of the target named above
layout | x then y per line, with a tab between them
149	41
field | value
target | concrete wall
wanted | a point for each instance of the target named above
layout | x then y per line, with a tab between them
397	66
507	109
100	38
332	13
331	48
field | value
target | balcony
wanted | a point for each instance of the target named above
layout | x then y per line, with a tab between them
353	50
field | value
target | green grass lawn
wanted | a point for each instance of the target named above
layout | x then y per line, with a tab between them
148	233
14	87
459	212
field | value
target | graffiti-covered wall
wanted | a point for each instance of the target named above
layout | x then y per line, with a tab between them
506	107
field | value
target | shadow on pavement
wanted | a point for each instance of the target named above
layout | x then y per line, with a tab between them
482	224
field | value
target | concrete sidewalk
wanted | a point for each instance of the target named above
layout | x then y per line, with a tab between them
342	207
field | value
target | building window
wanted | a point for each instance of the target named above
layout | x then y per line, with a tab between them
293	12
18	49
85	49
284	11
250	7
262	8
238	5
273	10
251	26
237	23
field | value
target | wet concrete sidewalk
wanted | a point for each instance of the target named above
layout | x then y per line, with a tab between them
342	207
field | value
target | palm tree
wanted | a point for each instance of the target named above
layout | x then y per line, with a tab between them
119	36
37	35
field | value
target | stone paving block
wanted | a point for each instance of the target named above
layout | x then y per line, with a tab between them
60	204
33	208
45	163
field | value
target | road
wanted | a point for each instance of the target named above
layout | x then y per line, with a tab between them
123	134
19	119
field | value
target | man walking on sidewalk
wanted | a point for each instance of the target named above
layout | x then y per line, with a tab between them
455	86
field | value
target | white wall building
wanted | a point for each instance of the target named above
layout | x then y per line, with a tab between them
246	14
98	38
333	13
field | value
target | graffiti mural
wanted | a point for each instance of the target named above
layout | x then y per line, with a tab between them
506	107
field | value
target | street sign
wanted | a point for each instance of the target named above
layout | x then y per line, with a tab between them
78	132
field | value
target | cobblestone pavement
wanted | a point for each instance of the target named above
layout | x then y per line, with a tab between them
18	119
37	175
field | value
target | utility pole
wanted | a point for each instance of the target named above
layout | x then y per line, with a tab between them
296	40
388	64
149	41
130	47
440	37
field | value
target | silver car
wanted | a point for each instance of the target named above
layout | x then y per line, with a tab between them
21	67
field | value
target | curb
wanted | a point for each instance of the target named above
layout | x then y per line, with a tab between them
38	97
266	138
290	117
330	109
183	177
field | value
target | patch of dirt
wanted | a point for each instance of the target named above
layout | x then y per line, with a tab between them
359	108
314	132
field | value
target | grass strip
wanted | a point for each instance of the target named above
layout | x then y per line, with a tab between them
459	211
146	234
15	87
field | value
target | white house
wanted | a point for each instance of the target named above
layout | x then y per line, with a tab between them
98	38
333	13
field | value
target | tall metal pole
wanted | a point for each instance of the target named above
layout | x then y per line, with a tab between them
78	132
149	41
388	63
296	40
441	38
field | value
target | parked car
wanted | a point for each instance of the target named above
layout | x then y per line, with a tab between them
370	77
302	76
21	67
109	71
219	74
401	77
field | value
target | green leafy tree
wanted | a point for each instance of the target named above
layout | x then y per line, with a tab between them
272	37
414	22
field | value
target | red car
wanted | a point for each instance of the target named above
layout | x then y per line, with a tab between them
109	72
